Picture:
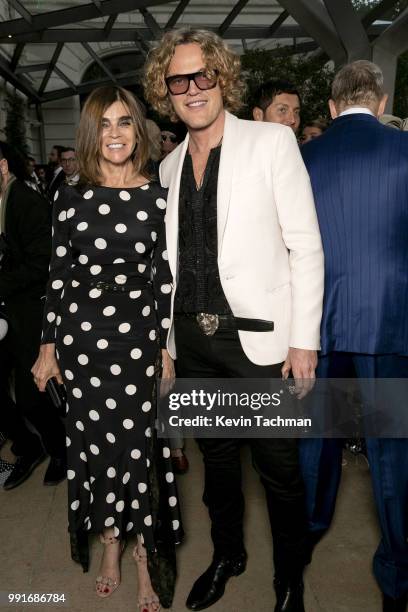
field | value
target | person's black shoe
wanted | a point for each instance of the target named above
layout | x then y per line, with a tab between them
395	605
22	469
56	471
289	595
210	586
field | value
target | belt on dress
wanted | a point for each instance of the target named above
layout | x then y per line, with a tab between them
131	284
210	323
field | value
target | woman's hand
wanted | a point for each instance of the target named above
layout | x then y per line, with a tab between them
168	374
46	367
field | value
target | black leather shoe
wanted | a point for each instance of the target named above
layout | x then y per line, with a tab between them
289	595
56	471
210	586
22	469
395	605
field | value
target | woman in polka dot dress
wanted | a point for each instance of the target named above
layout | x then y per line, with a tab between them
106	318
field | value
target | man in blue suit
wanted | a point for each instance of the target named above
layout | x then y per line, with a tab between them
359	174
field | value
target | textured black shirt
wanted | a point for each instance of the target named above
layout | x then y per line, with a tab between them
199	288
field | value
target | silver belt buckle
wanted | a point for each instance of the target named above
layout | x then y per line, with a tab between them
208	323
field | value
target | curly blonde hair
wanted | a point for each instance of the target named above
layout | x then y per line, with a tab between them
218	56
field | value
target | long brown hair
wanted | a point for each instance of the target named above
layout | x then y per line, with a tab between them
88	144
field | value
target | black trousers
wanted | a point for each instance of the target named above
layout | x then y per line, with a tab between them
275	460
18	352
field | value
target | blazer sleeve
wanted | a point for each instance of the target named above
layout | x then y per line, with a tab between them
60	265
301	235
29	215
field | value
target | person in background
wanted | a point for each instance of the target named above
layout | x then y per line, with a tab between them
69	165
32	180
41	172
313	130
171	136
25	247
55	174
277	101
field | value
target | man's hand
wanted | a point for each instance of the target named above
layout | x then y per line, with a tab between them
303	364
168	374
46	367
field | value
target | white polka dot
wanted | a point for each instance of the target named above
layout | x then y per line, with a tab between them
110	403
83	456
57	284
148	520
95	382
115	369
104	209
135	454
69	374
146	311
142	487
73	307
79	425
81	227
128	423
94	415
141	268
165	323
148	432
75	504
61	251
111	472
58	322
124	195
120	279
70	474
150	371
77	392
91	498
120	505
148	463
126	478
130	389
83	359
172	501
176	525
100	243
83	259
94	449
110	498
145	187
165	288
154	236
67	441
135	504
161	203
135	294
142	215
136	353
152	334
165	255
170	477
51	317
166	452
95	269
118	260
56	194
109	311
86	485
95	293
86	326
62	216
140	247
88	194
129	526
124	328
75	283
116	532
109	521
146	406
102	344
110	438
120	228
70	213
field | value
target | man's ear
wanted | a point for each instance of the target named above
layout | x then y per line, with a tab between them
333	110
257	113
382	105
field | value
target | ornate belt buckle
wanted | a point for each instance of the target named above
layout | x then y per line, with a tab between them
208	323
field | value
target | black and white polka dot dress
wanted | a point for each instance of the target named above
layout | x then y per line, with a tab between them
107	310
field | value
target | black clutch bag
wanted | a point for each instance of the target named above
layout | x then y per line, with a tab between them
57	394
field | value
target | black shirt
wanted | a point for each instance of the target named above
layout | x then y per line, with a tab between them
199	288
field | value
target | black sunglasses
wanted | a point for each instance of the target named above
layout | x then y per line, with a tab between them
172	138
179	83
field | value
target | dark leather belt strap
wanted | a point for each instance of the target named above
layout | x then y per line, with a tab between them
231	322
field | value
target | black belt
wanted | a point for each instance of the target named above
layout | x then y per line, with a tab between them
210	323
109	285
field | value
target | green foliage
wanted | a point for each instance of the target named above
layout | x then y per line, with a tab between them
309	75
15	123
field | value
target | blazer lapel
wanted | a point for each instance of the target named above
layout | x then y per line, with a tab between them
226	175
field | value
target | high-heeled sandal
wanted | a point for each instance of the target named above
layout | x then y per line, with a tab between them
107	584
145	604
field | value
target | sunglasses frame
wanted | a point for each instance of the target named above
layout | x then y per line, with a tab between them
191	77
173	139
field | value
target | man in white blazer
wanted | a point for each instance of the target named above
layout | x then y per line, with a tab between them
245	252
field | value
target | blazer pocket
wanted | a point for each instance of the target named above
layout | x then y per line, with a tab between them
278	288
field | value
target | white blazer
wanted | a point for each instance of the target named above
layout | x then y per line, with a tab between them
270	256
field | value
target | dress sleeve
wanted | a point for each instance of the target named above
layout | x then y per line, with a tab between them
60	265
162	285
